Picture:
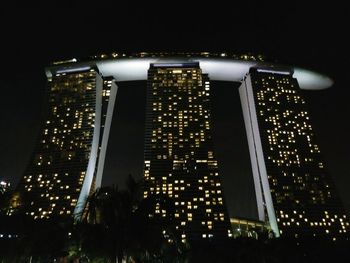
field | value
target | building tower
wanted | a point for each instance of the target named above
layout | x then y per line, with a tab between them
293	188
64	167
179	158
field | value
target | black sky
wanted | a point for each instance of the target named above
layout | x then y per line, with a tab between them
308	35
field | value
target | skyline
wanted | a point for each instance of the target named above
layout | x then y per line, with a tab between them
231	175
328	108
293	191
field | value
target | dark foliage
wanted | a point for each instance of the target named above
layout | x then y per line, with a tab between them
119	225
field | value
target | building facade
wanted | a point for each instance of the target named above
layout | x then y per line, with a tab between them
180	161
294	191
295	194
64	168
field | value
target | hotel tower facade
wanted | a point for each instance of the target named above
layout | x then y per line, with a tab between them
180	161
294	191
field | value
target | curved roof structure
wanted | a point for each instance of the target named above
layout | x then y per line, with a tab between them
218	68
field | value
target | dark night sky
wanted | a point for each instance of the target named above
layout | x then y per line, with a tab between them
308	36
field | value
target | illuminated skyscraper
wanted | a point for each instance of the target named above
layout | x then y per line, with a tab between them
63	169
294	190
179	156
